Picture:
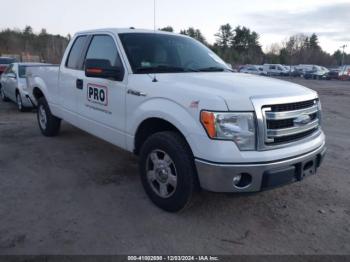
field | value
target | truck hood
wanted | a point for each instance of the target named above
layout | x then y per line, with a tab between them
236	89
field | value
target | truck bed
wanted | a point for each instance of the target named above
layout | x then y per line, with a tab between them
46	75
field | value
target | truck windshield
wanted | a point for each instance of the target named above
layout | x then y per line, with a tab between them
163	53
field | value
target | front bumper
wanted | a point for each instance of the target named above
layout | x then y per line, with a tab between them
220	177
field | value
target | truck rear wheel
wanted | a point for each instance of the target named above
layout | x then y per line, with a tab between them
167	171
48	123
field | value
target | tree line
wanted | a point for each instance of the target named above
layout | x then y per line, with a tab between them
23	43
303	49
240	45
236	45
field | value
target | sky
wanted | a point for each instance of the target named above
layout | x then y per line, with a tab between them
273	20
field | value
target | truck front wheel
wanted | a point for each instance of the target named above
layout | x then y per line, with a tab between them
167	171
48	123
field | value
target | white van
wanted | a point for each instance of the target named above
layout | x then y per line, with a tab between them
275	70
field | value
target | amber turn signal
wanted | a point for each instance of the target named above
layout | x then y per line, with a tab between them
208	121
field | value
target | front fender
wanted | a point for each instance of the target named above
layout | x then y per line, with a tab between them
185	120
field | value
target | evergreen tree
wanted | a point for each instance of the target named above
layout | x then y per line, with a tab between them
225	36
313	42
167	29
194	33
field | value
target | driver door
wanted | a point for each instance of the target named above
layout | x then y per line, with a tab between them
101	101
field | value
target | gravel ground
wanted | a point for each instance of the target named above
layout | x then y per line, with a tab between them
75	194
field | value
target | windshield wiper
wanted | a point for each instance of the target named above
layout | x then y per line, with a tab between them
213	69
163	69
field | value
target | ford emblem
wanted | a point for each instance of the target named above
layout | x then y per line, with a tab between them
302	120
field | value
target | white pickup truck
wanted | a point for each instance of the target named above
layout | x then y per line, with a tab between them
191	120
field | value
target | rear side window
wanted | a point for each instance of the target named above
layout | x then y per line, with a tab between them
76	53
22	71
103	47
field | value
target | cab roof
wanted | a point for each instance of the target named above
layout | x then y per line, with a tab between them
125	30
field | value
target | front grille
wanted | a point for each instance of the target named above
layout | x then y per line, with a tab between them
292	106
278	124
292	138
285	123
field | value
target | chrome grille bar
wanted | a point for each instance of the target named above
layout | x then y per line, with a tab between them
290	114
273	133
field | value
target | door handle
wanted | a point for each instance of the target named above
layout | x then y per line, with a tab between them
80	84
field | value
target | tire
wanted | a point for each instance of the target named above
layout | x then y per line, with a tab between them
3	96
19	103
175	171
48	123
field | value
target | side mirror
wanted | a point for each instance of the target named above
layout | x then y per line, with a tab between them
101	68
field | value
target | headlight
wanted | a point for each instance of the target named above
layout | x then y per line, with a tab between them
237	127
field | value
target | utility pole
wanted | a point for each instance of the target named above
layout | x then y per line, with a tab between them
342	61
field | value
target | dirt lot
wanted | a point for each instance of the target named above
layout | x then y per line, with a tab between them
75	194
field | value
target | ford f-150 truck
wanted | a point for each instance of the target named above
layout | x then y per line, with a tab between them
192	121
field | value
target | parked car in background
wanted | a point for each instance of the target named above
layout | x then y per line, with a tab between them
251	69
289	68
275	70
296	72
5	62
334	73
13	85
261	70
304	68
344	73
317	72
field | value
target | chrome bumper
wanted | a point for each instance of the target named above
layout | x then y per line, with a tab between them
219	177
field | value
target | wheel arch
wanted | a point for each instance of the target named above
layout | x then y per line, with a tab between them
162	115
37	93
151	126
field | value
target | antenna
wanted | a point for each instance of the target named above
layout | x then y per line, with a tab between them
154	14
155	80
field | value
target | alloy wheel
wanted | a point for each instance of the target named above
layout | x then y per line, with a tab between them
161	173
42	117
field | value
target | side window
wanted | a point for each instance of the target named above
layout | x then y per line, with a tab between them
76	53
14	69
103	47
272	67
9	69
